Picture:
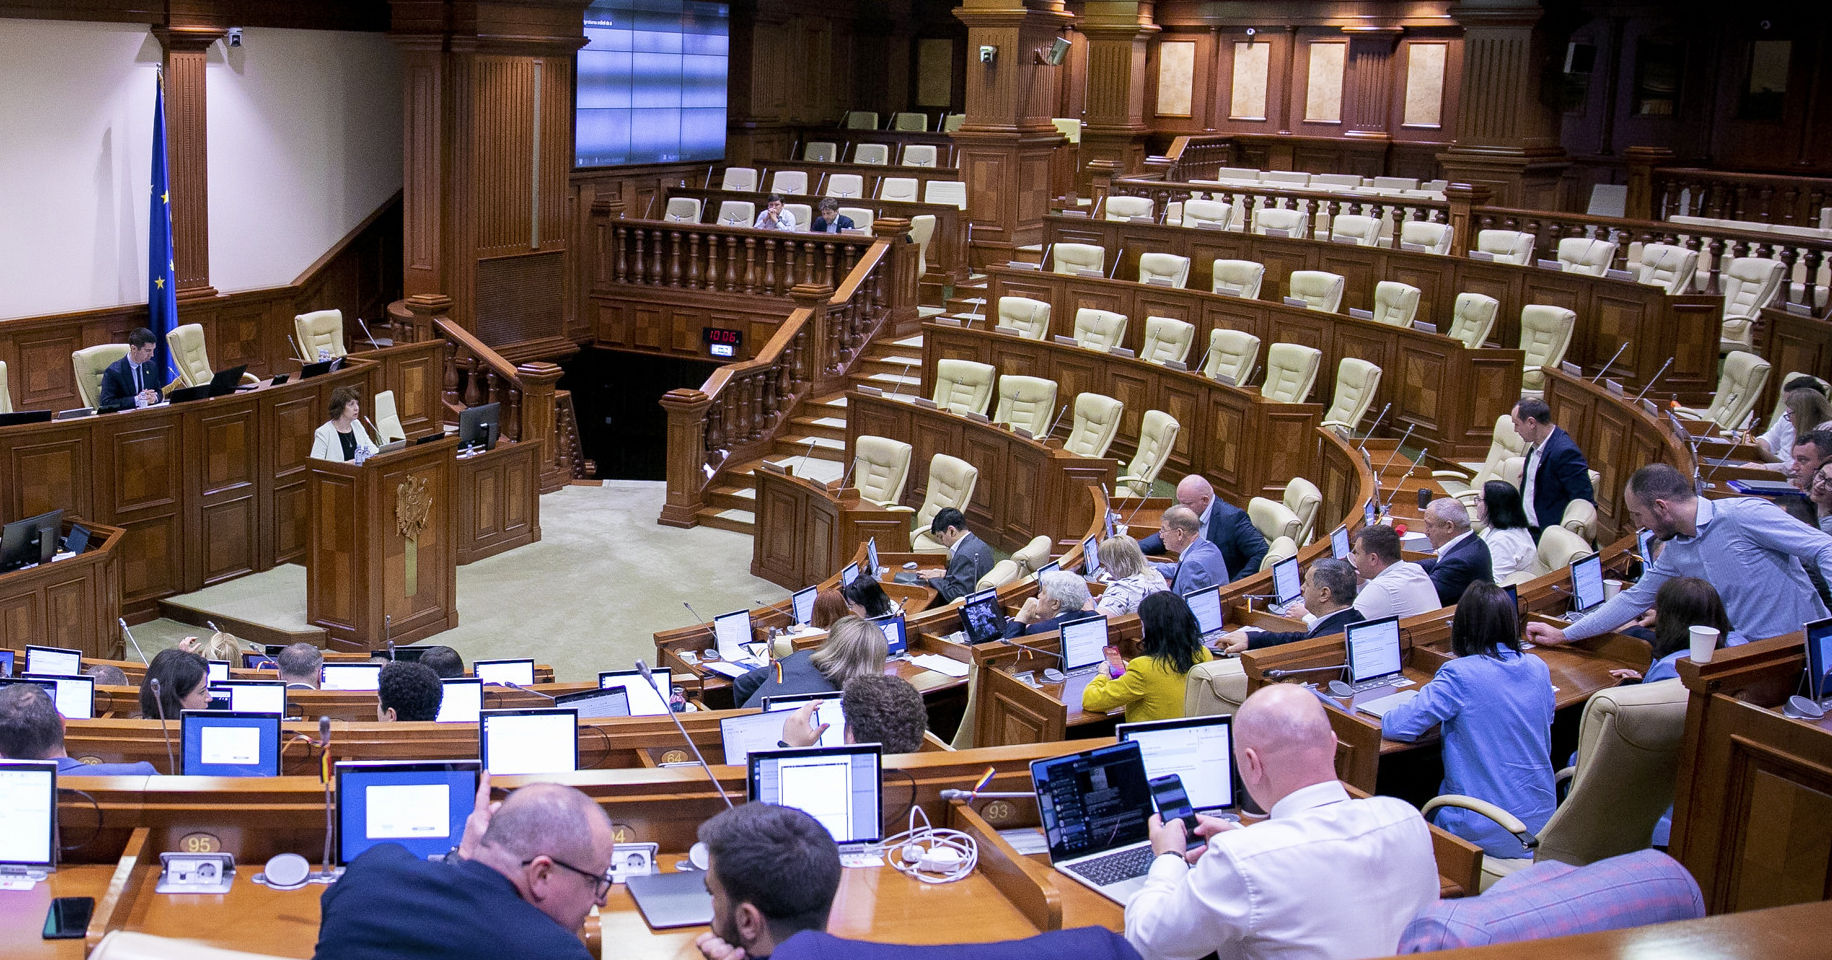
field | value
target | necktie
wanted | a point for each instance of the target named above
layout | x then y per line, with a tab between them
138	384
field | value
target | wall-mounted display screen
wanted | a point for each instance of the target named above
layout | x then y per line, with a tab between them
651	82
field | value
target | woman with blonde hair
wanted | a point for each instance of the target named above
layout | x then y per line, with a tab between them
1131	579
220	646
854	648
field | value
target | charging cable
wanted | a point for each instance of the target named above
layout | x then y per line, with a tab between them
931	854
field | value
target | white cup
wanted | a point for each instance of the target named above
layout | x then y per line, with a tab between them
1704	643
1611	588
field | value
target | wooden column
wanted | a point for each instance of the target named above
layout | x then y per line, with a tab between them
1367	102
1463	198
1641	164
187	153
1506	136
1115	127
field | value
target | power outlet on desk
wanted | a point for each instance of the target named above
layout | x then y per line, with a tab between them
196	873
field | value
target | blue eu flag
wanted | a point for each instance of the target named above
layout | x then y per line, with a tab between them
161	272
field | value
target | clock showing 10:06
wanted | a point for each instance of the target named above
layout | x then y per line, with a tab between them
723	342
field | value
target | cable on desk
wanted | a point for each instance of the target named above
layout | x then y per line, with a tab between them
98	820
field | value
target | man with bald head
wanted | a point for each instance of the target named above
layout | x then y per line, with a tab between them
1199	562
1462	557
1222	524
520	884
1324	876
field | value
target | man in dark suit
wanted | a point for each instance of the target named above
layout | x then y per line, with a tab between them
969	558
1556	472
1329	590
1463	558
1199	562
133	378
1060	596
1223	525
828	220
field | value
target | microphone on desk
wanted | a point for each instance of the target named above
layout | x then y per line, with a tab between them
1650	386
808	452
1300	671
1203	363
1363	445
1611	360
952	794
648	677
130	639
1396	449
1115	269
1050	674
696	614
164	731
388	633
1395	494
854	465
296	348
1056	422
1043	262
516	686
371	336
324	874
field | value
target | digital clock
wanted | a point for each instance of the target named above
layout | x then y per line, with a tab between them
721	342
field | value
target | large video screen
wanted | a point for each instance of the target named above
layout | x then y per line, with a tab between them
651	85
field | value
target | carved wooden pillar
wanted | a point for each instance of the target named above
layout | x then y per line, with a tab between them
424	308
1464	198
1370	70
539	424
1115	127
1641	164
1506	136
187	153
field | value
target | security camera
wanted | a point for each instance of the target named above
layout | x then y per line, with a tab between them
235	36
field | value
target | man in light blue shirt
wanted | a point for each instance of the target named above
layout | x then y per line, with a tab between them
1199	562
1749	549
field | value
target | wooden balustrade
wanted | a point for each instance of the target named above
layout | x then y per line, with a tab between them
727	259
1191	157
1723	195
1316	203
947	246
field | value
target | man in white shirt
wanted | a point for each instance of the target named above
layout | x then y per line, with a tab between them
1325	876
1390	586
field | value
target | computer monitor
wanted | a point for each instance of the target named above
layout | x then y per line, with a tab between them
258	661
849	573
1287	585
319	368
1090	558
6	663
896	642
478	426
1084	642
421	805
350	676
251	696
228	743
460	700
981	617
1051	567
730	633
31	540
1819	659
508	673
760	732
407	653
1206	605
1339	543
1199	750
802	603
1374	652
18	417
1587	581
217	670
644	701
224	382
597	704
75	696
1078	819
841	787
828	710
53	661
872	566
28	807
544	740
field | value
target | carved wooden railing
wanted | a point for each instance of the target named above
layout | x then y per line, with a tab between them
728	259
1194	157
1321	205
1721	195
532	409
738	412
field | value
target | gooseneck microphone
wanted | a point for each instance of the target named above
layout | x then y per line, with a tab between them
696	616
649	678
952	794
130	639
1611	360
516	686
324	774
1282	674
164	731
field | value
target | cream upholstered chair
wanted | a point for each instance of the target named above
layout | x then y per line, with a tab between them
1545	334
1506	246
1506	443
1744	376
1273	519
861	120
1077	257
1125	208
946	191
1237	278
1357	381
876	154
922	231
1002	573
388	427
843	185
1032	556
909	120
1233	354
320	331
682	210
89	363
1581	518
6	391
1750	284
743	179
919	155
1099	329
880	467
1157	435
1320	290
1209	214
1627	763
1164	268
1294	223
951	484
803	214
1667	266
192	356
1031	318
1473	318
1426	236
1283	548
1026	403
1167	339
861	217
737	213
1214	688
793	183
1356	229
963	386
953	122
823	151
127	945
1096	423
900	189
1585	255
1781	395
1557	548
1395	303
1291	370
1303	498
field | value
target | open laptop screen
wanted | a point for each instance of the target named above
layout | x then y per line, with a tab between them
1339	543
841	787
421	805
730	632
803	604
1199	750
461	700
28	807
517	672
529	741
597	704
350	676
1286	584
252	696
1084	642
224	743
849	573
217	670
75	696
1093	801
644	701
982	618
1373	649
1587	581
1819	658
1090	558
1206	605
1051	567
896	641
6	663
871	558
762	732
53	661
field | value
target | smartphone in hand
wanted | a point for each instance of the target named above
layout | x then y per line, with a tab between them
1174	802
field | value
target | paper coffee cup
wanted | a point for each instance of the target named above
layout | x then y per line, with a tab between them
1611	588
1704	643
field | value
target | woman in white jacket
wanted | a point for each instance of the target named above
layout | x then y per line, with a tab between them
342	437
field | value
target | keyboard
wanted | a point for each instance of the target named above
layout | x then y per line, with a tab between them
1382	706
1115	867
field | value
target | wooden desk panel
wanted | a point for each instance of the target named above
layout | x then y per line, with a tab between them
499	500
805	528
69	603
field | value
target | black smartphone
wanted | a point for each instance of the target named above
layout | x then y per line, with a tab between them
1174	802
68	918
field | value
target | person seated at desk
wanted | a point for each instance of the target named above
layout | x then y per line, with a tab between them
829	220
407	690
1329	595
1504	529
773	873
1150	685
444	662
1061	595
1390	586
879	709
1130	578
1820	492
969	558
853	648
1812	450
176	681
221	646
32	729
1804	408
1223	525
300	665
523	880
1495	706
865	598
107	675
132	381
1325	875
1199	562
1681	604
1461	558
342	437
774	217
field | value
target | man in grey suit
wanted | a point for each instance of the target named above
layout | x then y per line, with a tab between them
969	558
1199	562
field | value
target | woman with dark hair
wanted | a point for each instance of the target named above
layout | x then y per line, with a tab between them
1150	685
1494	704
829	607
1504	520
867	598
342	437
1679	605
184	681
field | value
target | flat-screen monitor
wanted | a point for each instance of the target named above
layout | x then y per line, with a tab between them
1287	585
319	368
1206	605
872	567
75	696
258	661
1090	558
664	103
218	670
461	700
644	700
31	540
802	603
28	807
421	805
508	673
350	676
544	740
6	663
1199	750
981	617
1084	642
730	632
1339	543
759	732
849	573
227	743
53	661
479	425
597	704
841	787
896	642
251	696
1819	659
1587	581
1374	652
827	710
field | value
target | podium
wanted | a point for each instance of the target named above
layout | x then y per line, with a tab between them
382	552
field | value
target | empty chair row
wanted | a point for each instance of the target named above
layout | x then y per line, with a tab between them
841	185
907	120
913	155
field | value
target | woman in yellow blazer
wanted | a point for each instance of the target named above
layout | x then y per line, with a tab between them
1150	686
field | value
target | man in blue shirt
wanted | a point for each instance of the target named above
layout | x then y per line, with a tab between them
1749	549
1199	562
1222	524
32	729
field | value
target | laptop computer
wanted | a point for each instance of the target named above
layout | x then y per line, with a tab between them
508	673
420	804
751	733
731	633
644	701
896	637
6	663
1206	605
540	740
1287	584
217	670
1374	653
1819	659
249	696
840	787
1586	586
224	382
982	618
74	696
1090	559
228	743
1339	543
872	567
28	807
597	704
53	661
1095	807
1084	645
1199	750
460	701
802	604
1051	567
350	676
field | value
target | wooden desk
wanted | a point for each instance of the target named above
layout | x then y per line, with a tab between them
68	603
805	527
1617	437
499	500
